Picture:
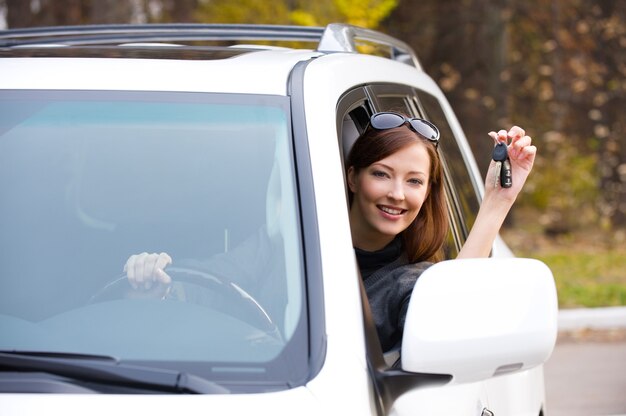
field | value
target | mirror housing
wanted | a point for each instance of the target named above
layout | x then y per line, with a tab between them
477	318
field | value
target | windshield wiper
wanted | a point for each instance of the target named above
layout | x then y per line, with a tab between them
107	370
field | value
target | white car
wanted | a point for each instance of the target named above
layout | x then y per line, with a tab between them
116	140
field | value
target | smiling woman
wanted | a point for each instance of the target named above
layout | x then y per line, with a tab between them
398	210
398	216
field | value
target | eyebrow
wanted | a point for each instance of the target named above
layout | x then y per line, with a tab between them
413	172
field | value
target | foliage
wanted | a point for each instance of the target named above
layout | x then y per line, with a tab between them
585	279
243	11
564	187
569	87
588	265
365	13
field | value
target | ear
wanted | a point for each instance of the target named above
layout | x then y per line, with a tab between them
352	179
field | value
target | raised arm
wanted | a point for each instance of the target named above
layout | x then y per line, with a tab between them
497	201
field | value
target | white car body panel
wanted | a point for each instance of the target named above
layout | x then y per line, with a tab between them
273	69
274	404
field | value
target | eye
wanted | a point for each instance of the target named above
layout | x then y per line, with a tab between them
380	174
416	181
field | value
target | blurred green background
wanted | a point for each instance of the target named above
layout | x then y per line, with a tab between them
555	67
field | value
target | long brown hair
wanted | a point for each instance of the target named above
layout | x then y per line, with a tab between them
424	238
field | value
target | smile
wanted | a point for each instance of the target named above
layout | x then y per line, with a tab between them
391	211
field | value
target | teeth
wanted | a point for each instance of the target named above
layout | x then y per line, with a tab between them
391	210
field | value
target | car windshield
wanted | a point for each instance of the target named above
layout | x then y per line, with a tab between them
90	178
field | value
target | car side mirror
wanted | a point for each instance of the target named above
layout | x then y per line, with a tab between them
478	318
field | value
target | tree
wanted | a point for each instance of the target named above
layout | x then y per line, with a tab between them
243	11
464	48
568	80
22	13
19	14
539	64
609	102
366	13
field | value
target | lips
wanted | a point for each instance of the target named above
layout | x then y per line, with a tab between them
391	210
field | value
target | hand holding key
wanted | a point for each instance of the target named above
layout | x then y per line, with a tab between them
498	200
513	161
503	175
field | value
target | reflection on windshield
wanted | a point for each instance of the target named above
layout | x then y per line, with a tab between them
88	179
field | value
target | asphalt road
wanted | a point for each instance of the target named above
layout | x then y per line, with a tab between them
586	374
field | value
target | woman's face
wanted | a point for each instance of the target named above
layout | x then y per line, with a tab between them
388	195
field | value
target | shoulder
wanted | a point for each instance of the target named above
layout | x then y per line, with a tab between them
412	268
410	272
401	277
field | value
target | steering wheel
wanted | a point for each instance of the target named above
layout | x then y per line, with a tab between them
201	288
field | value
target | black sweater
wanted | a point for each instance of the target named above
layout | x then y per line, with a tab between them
389	278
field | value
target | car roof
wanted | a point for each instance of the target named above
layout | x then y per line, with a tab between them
212	57
271	70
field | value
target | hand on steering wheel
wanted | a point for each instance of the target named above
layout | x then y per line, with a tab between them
145	278
146	272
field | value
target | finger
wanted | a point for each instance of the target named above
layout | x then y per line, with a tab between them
129	268
516	131
140	261
518	144
148	271
528	154
524	138
163	277
162	261
494	136
503	136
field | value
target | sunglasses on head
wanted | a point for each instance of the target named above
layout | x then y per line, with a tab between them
390	120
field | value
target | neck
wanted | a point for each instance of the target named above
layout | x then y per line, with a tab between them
370	241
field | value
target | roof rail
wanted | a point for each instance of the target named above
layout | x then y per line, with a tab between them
335	37
344	38
107	34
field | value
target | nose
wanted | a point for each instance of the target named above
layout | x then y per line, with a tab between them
396	192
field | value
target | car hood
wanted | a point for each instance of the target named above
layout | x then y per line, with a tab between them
295	401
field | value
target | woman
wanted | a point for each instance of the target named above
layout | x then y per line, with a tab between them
398	210
398	213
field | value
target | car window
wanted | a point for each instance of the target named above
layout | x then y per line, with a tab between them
398	103
89	178
353	113
392	97
464	194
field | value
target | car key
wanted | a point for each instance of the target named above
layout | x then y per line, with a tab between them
503	166
506	175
